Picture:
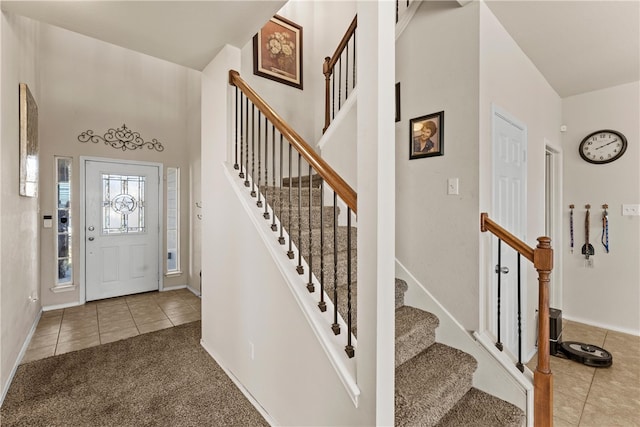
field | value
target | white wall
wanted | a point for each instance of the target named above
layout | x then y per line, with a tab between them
19	224
607	295
194	174
511	81
90	84
437	234
245	298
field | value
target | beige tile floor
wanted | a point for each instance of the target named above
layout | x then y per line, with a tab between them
602	397
101	322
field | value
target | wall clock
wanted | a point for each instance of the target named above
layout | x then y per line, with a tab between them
603	146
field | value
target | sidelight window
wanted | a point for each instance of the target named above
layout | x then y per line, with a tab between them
173	220
63	221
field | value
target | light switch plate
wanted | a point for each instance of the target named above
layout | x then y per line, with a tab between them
452	186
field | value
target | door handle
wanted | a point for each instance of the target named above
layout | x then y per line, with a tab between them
503	270
91	228
91	239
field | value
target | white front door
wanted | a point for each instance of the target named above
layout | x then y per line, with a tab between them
509	210
121	228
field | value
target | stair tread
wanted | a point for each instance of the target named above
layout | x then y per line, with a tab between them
415	331
481	409
430	384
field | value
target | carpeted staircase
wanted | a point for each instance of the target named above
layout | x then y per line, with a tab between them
433	381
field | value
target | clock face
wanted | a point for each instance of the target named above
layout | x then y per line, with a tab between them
603	146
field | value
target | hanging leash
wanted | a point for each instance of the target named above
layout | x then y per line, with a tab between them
605	228
571	225
587	248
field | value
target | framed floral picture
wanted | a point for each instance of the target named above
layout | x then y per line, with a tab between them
277	52
426	136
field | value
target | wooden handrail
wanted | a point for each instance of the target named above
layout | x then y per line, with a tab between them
330	176
486	224
343	43
542	259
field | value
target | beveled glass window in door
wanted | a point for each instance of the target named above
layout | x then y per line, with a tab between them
122	204
63	215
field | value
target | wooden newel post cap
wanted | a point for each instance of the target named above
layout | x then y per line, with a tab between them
543	255
232	75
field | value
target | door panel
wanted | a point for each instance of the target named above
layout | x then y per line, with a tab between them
122	229
509	209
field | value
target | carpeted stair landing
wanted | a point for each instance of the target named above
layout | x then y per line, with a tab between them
433	381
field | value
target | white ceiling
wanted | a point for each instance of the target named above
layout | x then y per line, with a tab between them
188	33
579	46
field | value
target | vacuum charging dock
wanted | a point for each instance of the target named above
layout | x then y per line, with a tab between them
586	354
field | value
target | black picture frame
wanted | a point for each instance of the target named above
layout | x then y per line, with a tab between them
431	127
277	52
397	102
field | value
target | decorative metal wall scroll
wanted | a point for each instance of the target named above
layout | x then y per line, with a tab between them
122	138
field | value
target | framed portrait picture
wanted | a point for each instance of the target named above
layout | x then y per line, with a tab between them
28	115
398	102
426	136
277	52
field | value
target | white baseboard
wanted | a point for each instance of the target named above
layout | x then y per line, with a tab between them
194	291
61	306
23	350
238	384
173	288
602	325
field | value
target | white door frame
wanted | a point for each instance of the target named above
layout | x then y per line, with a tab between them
83	160
556	213
496	112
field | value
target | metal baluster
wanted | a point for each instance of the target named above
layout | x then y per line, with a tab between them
253	147
266	169
299	268
346	72
322	305
333	94
246	169
349	348
339	83
259	202
519	365
274	227
310	286
281	198
235	164
397	13
335	327
499	272
290	253
354	58
241	174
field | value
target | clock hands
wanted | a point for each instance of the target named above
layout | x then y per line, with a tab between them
608	143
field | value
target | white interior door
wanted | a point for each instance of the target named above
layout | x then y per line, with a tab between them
121	229
509	210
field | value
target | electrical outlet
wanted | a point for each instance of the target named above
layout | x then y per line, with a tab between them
631	210
251	350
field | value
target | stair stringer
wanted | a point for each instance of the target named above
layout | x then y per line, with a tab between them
491	376
319	322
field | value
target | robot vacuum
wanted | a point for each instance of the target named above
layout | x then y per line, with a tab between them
587	354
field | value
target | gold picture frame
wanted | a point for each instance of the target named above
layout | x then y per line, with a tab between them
28	143
277	52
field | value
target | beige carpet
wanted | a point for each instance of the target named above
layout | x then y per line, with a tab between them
163	378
